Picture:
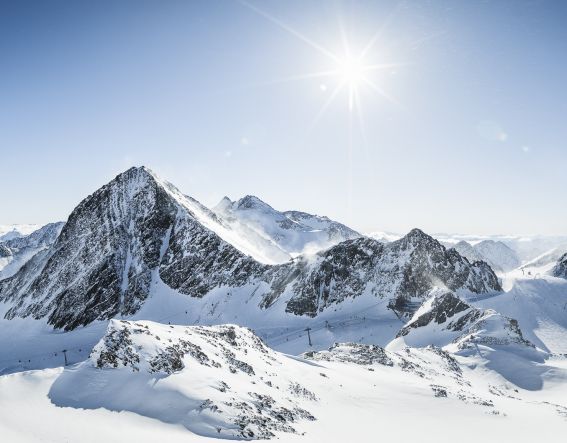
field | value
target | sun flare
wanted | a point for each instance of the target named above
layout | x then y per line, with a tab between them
351	71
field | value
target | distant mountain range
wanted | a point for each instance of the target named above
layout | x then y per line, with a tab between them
138	230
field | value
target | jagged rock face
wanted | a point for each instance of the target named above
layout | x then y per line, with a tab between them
197	261
443	307
330	277
463	325
400	271
5	251
100	266
428	262
358	353
560	269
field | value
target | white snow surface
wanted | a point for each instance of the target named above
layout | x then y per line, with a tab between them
281	235
350	397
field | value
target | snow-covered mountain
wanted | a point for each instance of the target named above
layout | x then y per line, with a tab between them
102	263
445	319
8	232
499	256
283	234
16	251
383	236
138	231
545	260
526	248
406	329
402	272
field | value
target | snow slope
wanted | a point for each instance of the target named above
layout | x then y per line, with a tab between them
349	393
540	307
282	234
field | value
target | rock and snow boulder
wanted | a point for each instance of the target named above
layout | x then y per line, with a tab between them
217	381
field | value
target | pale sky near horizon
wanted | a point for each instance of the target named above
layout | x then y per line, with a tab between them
458	124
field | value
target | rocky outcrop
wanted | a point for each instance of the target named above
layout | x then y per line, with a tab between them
560	269
358	353
446	317
218	381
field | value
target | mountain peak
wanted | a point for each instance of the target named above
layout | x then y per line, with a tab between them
137	172
252	202
417	235
224	205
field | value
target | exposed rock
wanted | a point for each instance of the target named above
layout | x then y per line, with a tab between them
193	357
461	323
400	271
560	269
358	353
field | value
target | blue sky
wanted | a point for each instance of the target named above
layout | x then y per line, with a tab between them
471	137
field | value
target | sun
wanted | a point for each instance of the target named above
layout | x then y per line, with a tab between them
351	71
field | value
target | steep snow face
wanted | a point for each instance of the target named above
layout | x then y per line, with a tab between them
401	272
282	235
560	269
14	253
467	250
219	381
499	256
